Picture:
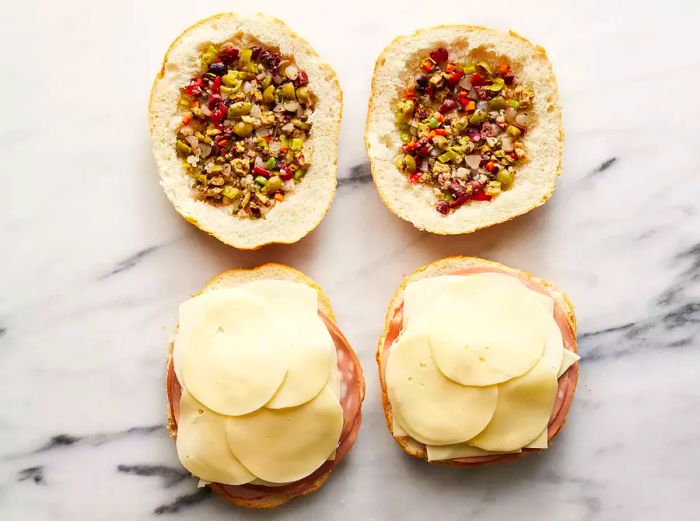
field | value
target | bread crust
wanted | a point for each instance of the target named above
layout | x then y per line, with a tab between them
300	213
236	277
535	179
444	267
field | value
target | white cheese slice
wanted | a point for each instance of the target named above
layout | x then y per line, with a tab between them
541	442
202	447
488	329
234	365
569	358
525	403
284	445
461	450
432	408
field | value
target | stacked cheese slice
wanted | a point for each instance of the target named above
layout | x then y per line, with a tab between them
260	385
474	371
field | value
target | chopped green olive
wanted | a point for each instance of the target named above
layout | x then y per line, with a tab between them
183	148
513	103
483	68
239	108
513	131
497	103
262	181
288	90
469	68
243	129
269	94
404	111
478	117
231	80
493	188
433	123
231	192
505	178
270	163
303	125
447	156
273	185
297	144
496	85
303	95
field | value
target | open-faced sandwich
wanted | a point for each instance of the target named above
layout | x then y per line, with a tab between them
477	362
264	390
244	119
464	128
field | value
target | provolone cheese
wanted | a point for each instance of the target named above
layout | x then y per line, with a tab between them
541	442
487	329
430	407
234	365
569	358
461	450
284	445
202	447
525	403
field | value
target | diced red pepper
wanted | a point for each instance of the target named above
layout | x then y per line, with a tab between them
415	177
283	150
410	147
490	166
194	87
429	90
440	131
186	120
428	65
459	201
454	78
503	69
222	143
477	80
450	67
258	170
218	114
470	105
267	139
216	85
410	94
439	55
213	101
481	196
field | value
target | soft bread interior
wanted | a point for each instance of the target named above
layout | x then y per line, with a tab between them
301	211
444	267
535	179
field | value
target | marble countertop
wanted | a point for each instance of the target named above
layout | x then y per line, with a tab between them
95	262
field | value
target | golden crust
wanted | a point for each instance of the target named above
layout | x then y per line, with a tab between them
444	266
380	61
235	277
331	76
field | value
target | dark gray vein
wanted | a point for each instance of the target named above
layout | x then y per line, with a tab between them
130	261
33	473
603	166
689	275
183	502
3	330
94	440
673	330
171	476
359	175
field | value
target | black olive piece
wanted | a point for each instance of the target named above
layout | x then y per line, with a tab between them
218	68
422	81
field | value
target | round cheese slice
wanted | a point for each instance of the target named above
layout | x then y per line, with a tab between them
202	447
525	403
284	445
304	335
430	407
488	329
235	365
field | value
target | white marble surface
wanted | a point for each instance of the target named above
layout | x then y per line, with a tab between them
95	261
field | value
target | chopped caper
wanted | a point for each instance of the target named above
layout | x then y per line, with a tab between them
478	117
505	178
288	90
243	129
273	185
269	94
239	108
183	148
497	103
303	95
